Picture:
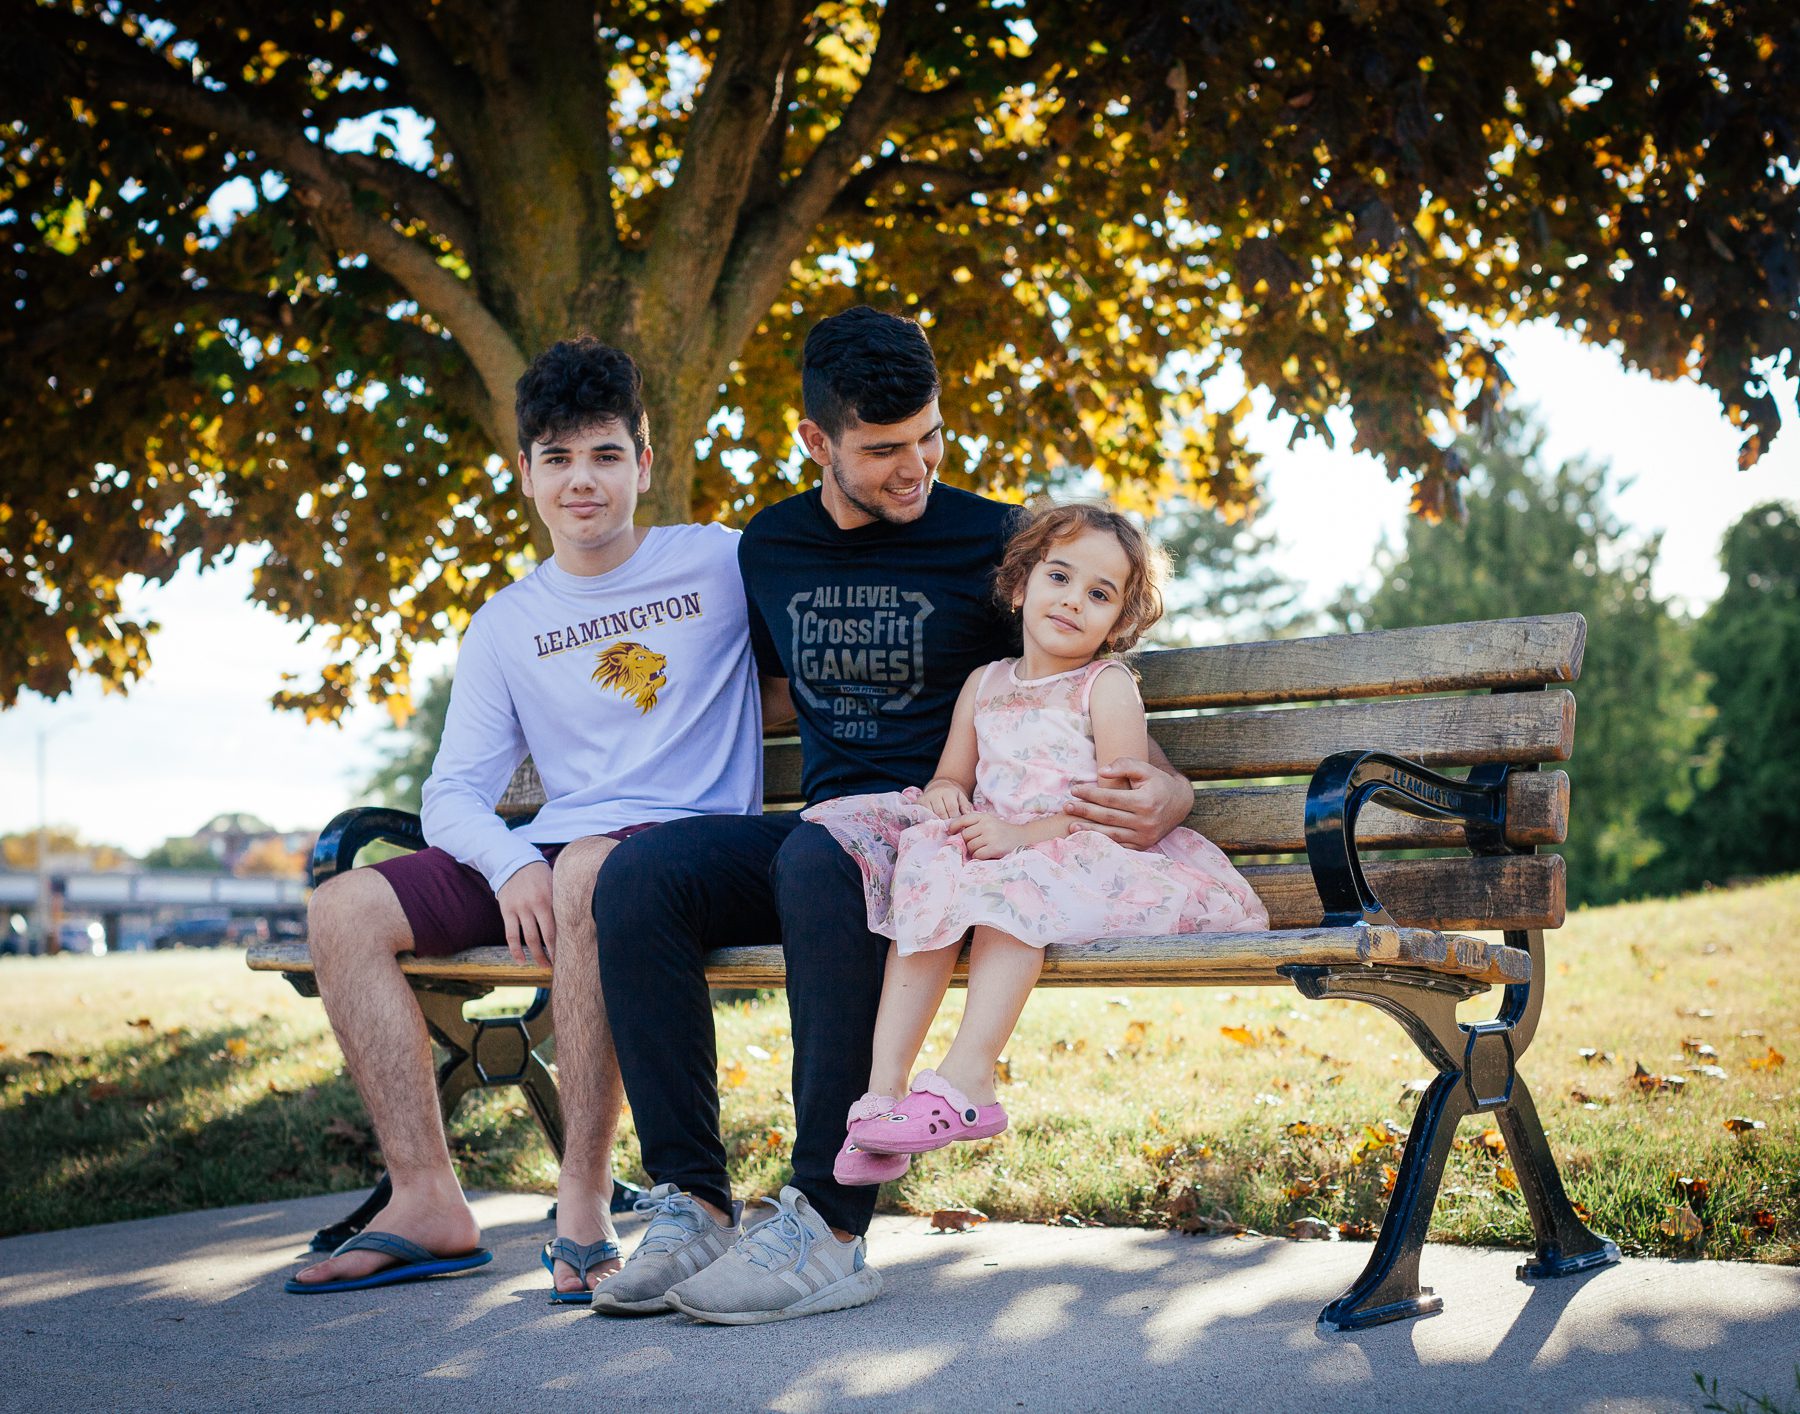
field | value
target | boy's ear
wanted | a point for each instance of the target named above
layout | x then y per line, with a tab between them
525	472
645	459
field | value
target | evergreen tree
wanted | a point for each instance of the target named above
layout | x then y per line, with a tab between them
1542	540
1745	818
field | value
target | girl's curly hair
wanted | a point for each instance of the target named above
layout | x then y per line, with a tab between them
1049	524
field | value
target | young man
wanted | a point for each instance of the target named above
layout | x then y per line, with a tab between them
622	666
870	603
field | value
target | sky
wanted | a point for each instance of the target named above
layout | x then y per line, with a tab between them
197	737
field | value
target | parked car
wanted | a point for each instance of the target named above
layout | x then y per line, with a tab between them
81	935
205	932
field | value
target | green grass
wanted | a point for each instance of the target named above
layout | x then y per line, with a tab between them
1180	1107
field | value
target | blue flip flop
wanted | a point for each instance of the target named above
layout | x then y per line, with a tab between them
581	1256
416	1263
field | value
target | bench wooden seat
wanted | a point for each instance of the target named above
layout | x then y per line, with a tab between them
1333	748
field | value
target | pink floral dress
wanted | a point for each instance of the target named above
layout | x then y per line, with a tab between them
1035	740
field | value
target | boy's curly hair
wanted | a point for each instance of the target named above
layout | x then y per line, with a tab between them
1049	524
576	382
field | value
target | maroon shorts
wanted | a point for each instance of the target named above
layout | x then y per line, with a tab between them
448	905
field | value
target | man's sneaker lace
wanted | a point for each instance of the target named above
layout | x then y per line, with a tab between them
682	1239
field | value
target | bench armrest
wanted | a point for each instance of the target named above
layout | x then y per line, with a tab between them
1348	780
341	840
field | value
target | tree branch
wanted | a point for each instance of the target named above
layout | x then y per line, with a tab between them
118	69
732	113
431	71
757	265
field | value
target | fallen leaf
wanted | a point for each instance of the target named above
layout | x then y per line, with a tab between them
1119	1001
1595	1057
1764	1220
1135	1032
1693	1189
1741	1124
1581	1097
1767	1061
1389	1177
1356	1230
773	1140
1490	1140
1387	1132
1300	1128
237	1047
1506	1178
734	1075
1682	1223
1243	1035
1003	1071
1582	1211
1694	1046
956	1219
142	1023
1302	1188
1311	1230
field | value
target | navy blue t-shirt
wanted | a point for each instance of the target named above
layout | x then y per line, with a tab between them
876	629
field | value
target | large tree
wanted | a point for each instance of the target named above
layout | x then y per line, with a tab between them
243	311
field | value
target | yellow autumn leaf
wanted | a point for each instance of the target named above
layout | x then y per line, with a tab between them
734	1075
1244	1036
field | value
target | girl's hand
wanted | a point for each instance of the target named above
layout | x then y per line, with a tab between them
986	837
945	799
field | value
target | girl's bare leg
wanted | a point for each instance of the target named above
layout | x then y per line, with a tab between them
1002	972
911	992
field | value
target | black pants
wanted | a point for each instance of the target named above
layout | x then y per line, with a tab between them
663	900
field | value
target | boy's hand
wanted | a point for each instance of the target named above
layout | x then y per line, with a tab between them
528	910
986	837
945	799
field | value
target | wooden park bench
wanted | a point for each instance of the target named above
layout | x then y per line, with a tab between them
1400	864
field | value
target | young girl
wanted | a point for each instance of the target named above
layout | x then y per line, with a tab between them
986	844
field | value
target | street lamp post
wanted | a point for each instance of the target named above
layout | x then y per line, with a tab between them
44	921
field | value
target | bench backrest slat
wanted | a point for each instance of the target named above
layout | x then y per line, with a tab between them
1434	731
1498	653
1271	819
1454	895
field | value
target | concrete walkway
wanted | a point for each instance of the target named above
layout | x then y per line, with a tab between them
187	1313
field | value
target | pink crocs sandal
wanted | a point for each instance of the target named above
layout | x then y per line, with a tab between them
935	1113
856	1166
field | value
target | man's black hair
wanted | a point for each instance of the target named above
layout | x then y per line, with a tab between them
576	382
866	366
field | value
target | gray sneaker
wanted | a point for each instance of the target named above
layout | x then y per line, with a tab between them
681	1240
789	1264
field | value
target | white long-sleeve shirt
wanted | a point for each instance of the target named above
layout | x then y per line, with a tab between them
633	691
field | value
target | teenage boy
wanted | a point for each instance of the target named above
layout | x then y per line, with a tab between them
870	604
621	664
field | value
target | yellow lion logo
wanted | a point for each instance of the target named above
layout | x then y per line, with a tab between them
631	670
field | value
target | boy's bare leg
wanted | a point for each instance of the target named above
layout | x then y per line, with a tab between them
354	929
587	1072
911	993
